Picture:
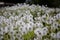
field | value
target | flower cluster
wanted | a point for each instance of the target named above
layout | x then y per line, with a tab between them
29	22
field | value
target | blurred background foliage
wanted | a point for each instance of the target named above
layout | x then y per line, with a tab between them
49	3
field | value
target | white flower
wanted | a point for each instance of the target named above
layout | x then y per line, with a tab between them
57	10
29	27
58	16
38	32
53	35
45	30
31	24
58	34
16	17
55	25
38	24
23	31
1	31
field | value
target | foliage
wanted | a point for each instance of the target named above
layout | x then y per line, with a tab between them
49	3
29	36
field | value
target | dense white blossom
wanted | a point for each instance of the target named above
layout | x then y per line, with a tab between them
17	21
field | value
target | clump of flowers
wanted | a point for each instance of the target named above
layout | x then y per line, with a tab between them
29	22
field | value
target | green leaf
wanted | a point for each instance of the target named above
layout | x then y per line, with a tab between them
6	36
29	36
